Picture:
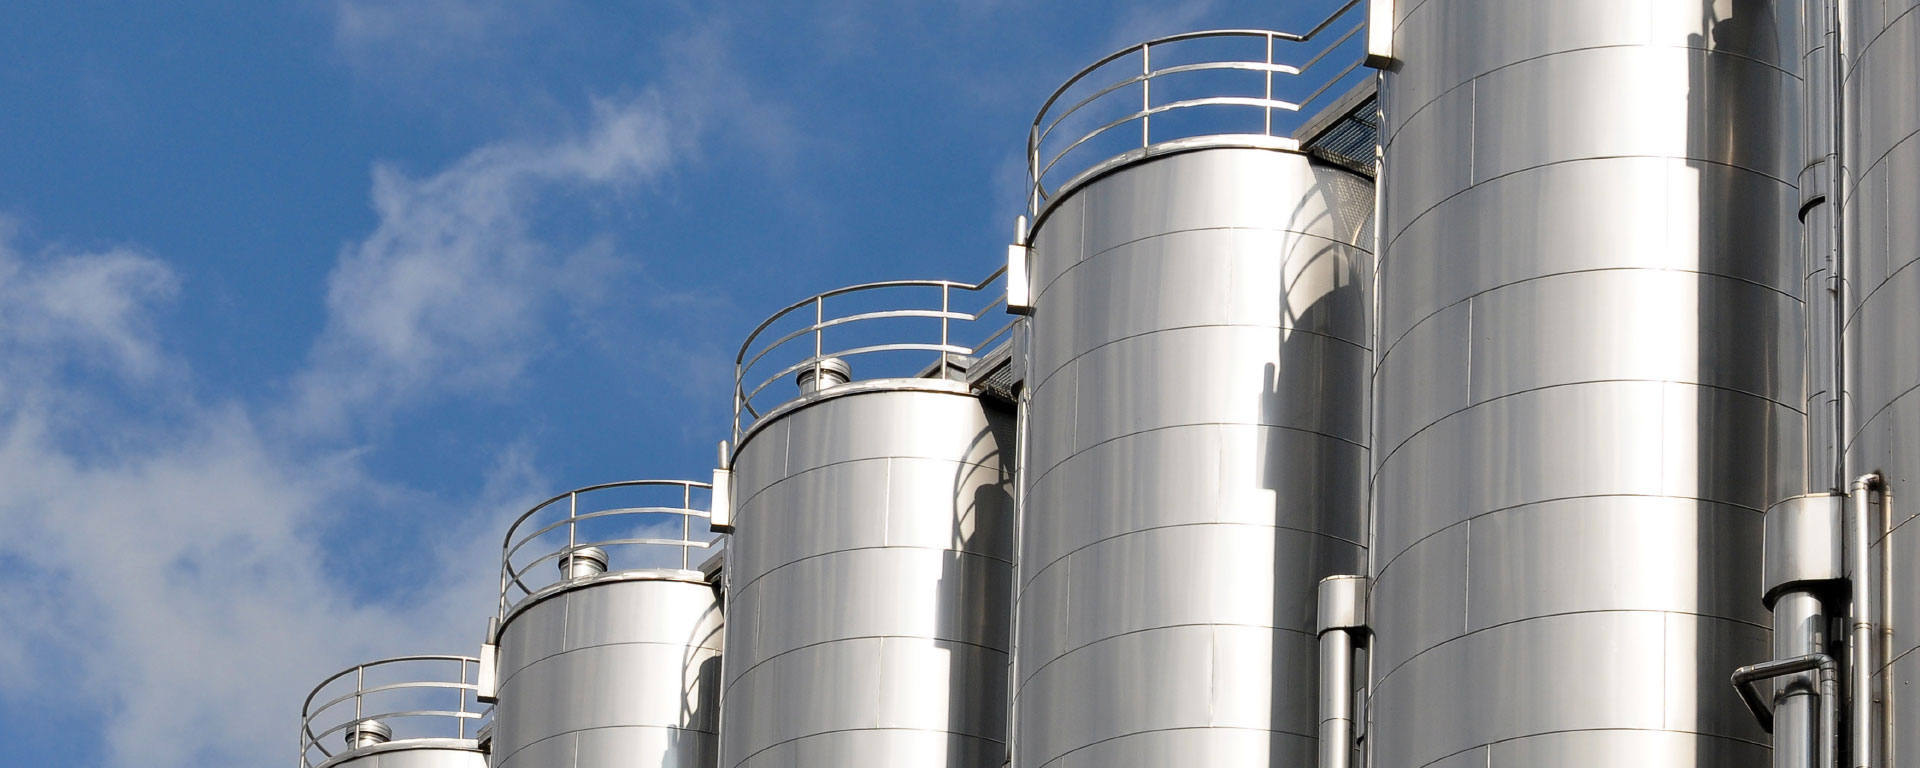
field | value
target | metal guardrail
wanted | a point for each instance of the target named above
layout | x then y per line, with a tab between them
1045	152
963	331
517	580
370	701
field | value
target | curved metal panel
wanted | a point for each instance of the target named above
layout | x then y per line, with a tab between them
1881	43
1196	458
418	758
1590	380
869	572
615	674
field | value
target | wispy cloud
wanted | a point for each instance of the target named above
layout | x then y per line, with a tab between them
454	292
390	33
91	309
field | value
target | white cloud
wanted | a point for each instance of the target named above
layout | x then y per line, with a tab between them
385	33
453	291
168	575
86	308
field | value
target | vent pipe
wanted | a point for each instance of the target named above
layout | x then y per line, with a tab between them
367	733
825	374
583	562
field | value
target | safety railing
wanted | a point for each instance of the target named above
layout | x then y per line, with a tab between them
1154	95
893	329
386	693
627	525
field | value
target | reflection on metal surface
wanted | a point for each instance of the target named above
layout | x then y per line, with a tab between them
1590	376
1880	181
431	699
868	576
1195	458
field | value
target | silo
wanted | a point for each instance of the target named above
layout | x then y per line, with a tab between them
870	551
401	712
609	632
1588	381
1881	214
1196	449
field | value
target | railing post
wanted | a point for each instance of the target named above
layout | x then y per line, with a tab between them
1146	95
945	306
686	523
359	684
462	693
819	317
573	510
1267	109
1033	173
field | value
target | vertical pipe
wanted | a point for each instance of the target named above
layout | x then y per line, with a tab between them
1336	699
1836	79
1799	629
1861	638
1887	733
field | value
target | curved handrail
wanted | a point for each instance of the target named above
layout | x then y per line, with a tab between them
960	333
464	684
1043	160
514	576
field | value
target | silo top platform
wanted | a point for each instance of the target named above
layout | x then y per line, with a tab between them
395	704
936	335
632	529
1197	90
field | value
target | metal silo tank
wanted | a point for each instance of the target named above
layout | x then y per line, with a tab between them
401	712
870	555
609	632
1881	216
1196	447
1588	383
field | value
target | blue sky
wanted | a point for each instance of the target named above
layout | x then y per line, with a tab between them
300	301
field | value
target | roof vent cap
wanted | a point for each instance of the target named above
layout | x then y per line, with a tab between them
583	562
828	373
367	733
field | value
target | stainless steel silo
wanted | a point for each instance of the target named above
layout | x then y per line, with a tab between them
870	556
1196	441
1588	380
609	632
1881	310
401	712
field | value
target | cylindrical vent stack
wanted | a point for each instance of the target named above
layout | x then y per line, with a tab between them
869	577
1588	386
1881	213
608	668
1196	458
